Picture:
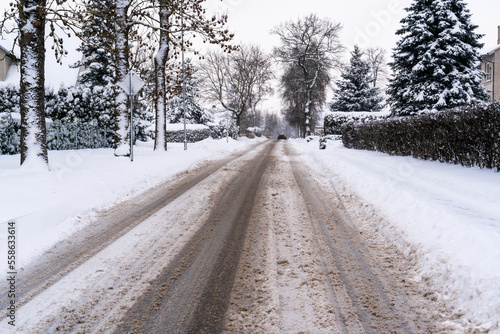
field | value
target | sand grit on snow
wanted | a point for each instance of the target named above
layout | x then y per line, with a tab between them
49	206
446	217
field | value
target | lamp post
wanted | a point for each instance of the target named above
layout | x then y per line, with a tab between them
183	82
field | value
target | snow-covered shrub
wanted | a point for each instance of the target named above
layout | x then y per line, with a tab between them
256	131
192	135
9	99
10	132
73	136
333	121
81	117
469	136
219	131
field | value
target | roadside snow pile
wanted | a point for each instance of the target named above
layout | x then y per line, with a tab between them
448	214
49	206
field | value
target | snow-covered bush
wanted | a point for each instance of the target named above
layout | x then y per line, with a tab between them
81	118
10	131
9	99
73	136
469	136
193	134
219	131
333	121
256	131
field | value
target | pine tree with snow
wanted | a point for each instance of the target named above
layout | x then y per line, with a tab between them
434	61
354	92
195	114
97	35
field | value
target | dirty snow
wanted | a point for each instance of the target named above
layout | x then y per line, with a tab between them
445	217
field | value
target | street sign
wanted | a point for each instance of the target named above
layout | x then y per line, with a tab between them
131	83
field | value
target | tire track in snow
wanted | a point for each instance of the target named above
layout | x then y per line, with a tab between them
191	295
70	253
306	269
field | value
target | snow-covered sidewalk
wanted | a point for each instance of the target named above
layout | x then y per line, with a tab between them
49	206
446	217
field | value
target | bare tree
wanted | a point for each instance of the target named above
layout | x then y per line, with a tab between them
378	64
310	45
176	19
237	81
295	98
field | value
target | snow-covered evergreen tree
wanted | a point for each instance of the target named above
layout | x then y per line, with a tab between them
434	61
354	92
97	36
195	114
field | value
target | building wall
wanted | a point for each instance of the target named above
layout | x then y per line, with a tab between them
497	75
492	85
5	62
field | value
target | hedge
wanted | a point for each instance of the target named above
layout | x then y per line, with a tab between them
333	122
469	136
219	131
60	136
192	136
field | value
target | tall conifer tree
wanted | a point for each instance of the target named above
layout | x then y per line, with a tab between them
354	92
434	61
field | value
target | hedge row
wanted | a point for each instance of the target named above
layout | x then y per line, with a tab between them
60	136
333	122
219	131
192	136
469	136
63	136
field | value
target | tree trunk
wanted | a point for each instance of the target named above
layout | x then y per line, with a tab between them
32	85
122	135
160	80
307	111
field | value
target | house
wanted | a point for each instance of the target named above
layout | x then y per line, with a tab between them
490	65
55	73
7	59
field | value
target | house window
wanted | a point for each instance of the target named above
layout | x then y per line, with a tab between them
489	72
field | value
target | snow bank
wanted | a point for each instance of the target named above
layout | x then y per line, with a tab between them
449	214
180	127
48	206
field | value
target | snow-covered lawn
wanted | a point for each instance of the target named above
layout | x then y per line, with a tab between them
446	217
48	206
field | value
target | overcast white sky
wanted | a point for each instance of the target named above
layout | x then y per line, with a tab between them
365	22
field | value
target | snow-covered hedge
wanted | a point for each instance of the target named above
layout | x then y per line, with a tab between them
60	136
219	131
10	132
333	121
194	133
256	131
469	136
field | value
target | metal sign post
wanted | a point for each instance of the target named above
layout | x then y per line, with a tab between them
131	84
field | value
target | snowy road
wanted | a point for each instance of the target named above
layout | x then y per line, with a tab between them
248	244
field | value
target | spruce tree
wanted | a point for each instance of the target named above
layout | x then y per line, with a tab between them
97	36
434	61
354	91
195	114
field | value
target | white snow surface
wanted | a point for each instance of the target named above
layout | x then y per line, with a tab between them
445	217
180	127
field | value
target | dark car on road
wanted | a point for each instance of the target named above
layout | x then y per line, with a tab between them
282	136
